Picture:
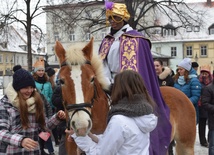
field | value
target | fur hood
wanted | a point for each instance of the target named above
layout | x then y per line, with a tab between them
167	71
12	95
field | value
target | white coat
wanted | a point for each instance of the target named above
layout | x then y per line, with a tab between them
123	136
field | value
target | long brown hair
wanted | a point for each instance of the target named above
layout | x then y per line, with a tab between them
35	76
127	84
40	115
186	74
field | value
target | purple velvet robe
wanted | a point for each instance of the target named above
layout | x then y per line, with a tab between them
135	54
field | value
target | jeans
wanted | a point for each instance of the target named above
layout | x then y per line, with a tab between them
49	145
211	142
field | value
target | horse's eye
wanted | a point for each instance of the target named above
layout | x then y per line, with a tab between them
62	81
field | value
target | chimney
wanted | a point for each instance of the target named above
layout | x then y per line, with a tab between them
209	2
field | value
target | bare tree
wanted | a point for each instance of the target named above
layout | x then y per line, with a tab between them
144	14
30	13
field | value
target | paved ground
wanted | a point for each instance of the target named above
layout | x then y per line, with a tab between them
199	150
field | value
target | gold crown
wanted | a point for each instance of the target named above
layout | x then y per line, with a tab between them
119	10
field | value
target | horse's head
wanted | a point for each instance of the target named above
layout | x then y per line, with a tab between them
79	74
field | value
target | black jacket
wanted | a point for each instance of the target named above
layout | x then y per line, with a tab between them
165	79
207	101
57	98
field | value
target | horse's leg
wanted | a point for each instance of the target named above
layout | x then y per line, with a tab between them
185	138
170	150
172	143
184	149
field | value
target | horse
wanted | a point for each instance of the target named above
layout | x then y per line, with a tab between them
182	119
86	103
83	84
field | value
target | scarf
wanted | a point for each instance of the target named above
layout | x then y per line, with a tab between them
181	80
205	80
139	106
41	79
12	96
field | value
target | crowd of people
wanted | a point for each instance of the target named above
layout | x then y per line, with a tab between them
198	88
32	109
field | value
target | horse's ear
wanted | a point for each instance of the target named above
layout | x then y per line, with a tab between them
88	49
59	51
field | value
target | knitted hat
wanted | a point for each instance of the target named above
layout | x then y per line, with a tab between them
116	9
194	64
39	64
50	71
205	68
22	78
16	67
186	64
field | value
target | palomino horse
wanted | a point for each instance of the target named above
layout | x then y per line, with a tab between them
82	84
182	119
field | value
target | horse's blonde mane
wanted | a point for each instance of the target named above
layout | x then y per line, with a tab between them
74	55
97	64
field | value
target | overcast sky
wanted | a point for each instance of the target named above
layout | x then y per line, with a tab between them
190	1
41	19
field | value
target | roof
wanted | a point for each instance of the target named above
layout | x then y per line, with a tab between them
15	40
158	55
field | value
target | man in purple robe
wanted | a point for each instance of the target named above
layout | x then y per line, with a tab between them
125	48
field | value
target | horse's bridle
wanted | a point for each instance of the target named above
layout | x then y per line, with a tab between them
80	106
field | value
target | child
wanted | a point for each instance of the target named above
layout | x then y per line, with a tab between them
22	116
130	120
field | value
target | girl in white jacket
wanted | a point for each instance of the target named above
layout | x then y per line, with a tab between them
130	120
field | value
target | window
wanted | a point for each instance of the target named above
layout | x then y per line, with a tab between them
17	59
158	49
203	50
88	36
72	36
168	32
23	60
189	51
1	58
7	59
24	47
12	59
212	31
56	36
173	51
189	29
196	29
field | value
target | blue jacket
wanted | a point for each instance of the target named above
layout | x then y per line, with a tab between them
46	90
192	89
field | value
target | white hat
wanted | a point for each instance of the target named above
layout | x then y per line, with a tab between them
186	64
